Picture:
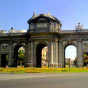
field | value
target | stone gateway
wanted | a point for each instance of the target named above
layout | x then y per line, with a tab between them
44	30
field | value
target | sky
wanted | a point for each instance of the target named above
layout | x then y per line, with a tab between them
15	13
71	52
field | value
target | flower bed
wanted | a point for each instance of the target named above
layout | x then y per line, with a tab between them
39	70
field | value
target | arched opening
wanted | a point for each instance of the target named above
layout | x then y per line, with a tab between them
41	55
70	56
19	56
85	59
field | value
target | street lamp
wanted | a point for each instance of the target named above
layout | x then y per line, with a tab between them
69	64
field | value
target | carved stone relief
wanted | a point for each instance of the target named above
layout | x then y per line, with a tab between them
85	44
4	47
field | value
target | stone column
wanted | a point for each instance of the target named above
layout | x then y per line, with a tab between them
49	54
26	54
34	53
53	54
10	55
30	52
80	54
0	55
61	55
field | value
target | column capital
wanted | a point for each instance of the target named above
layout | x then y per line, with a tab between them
79	40
60	41
10	42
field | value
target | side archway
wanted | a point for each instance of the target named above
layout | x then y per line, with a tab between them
70	55
19	55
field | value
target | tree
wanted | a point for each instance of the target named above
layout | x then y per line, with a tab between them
75	62
85	59
21	53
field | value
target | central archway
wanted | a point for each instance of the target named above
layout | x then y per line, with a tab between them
41	55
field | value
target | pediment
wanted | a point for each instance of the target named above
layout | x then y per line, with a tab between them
40	18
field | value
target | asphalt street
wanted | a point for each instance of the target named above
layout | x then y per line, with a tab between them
68	80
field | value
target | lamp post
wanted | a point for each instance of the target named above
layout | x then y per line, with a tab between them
69	64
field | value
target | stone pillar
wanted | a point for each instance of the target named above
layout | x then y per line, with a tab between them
61	55
80	54
10	55
34	53
29	53
50	54
53	54
26	54
0	55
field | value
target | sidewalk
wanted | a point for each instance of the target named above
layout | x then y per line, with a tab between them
22	76
28	75
35	75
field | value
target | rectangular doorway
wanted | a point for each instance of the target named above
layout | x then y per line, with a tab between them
4	60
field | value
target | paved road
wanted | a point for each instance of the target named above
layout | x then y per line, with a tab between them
70	80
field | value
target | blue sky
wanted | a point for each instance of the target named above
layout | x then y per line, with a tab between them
15	13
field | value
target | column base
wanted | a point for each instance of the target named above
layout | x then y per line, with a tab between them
9	64
80	65
29	65
54	65
60	65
